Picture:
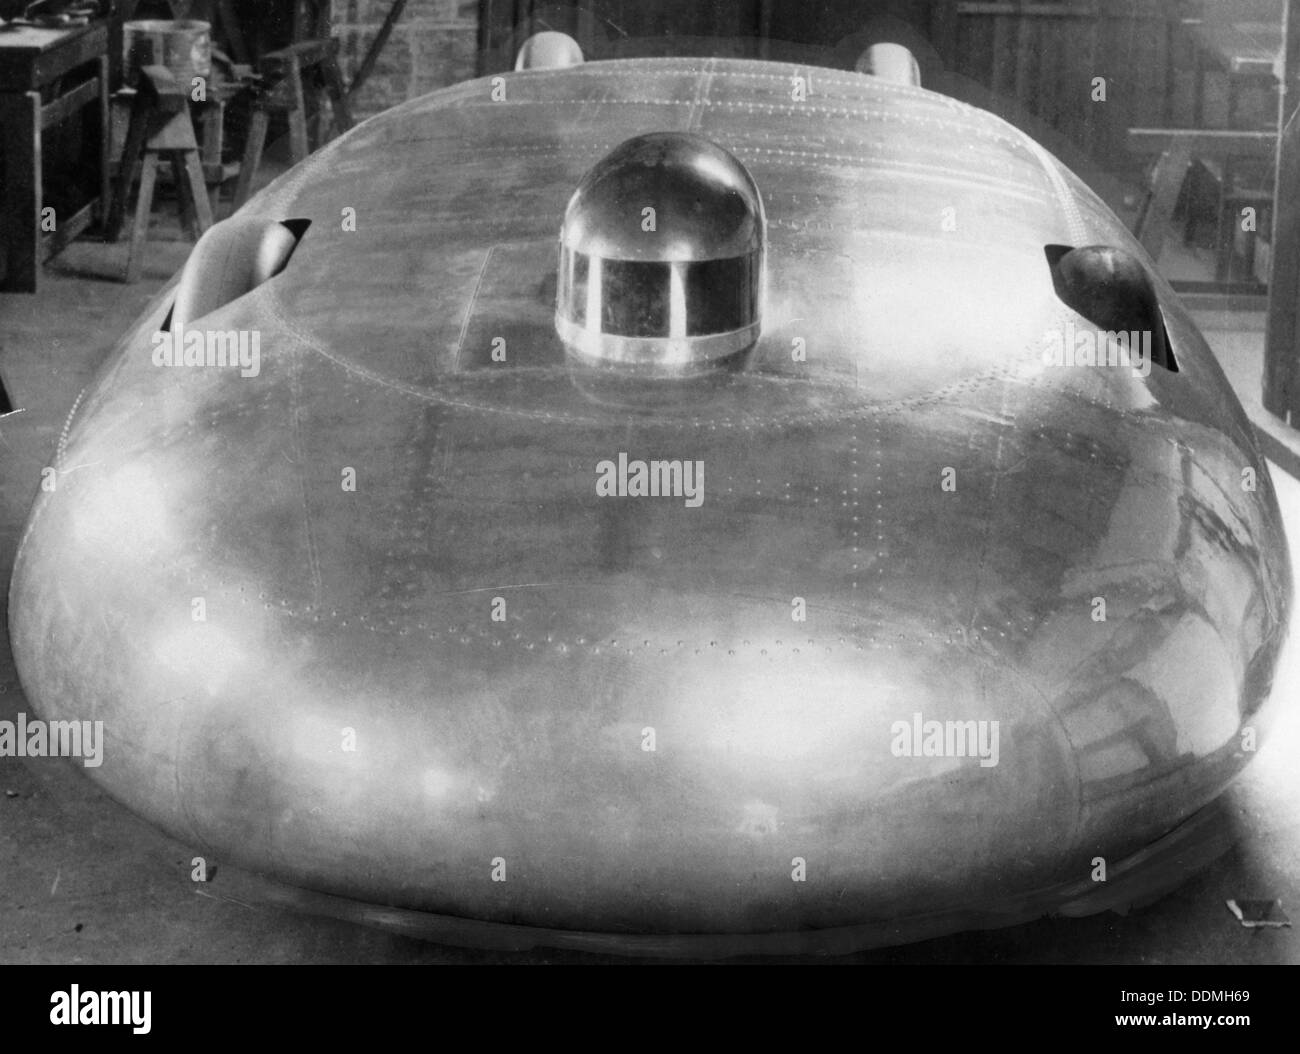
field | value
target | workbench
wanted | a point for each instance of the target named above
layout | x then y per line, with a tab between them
47	77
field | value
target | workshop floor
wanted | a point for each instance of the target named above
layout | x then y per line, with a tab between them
84	881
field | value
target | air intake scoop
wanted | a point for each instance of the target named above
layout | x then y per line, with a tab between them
661	258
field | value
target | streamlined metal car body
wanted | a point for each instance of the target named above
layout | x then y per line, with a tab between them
687	505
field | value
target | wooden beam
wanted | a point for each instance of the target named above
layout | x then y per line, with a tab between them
232	31
66	105
67	231
1281	394
105	134
1028	10
1289	74
377	46
1202	143
943	31
1166	184
20	190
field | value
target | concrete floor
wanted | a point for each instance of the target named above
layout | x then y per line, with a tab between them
84	881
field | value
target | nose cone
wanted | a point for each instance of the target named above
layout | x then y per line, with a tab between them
833	691
683	776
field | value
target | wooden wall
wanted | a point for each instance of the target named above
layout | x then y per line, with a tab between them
1076	75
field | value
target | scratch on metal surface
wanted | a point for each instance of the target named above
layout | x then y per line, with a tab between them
295	402
226	900
701	101
469	308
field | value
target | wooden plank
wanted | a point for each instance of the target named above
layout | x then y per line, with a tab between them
76	52
234	34
943	31
1281	394
1054	79
1088	108
172	132
974	58
291	88
197	192
305	53
1027	91
1028	10
69	103
1241	293
253	146
30	57
338	94
105	188
184	200
998	74
1252	300
1213	144
299	145
1251	51
1289	97
1166	183
20	190
143	210
55	241
1171	84
137	132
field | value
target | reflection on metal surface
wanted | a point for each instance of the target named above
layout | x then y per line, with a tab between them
548	51
891	62
1259	914
232	258
1111	289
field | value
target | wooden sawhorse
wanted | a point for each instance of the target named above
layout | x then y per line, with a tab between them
160	128
283	93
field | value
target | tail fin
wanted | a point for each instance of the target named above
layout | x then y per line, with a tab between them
6	407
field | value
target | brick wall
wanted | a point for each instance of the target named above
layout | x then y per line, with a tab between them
434	44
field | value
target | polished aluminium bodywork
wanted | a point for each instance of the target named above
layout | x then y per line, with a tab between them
473	687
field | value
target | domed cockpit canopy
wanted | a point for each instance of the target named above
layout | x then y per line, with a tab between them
661	257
